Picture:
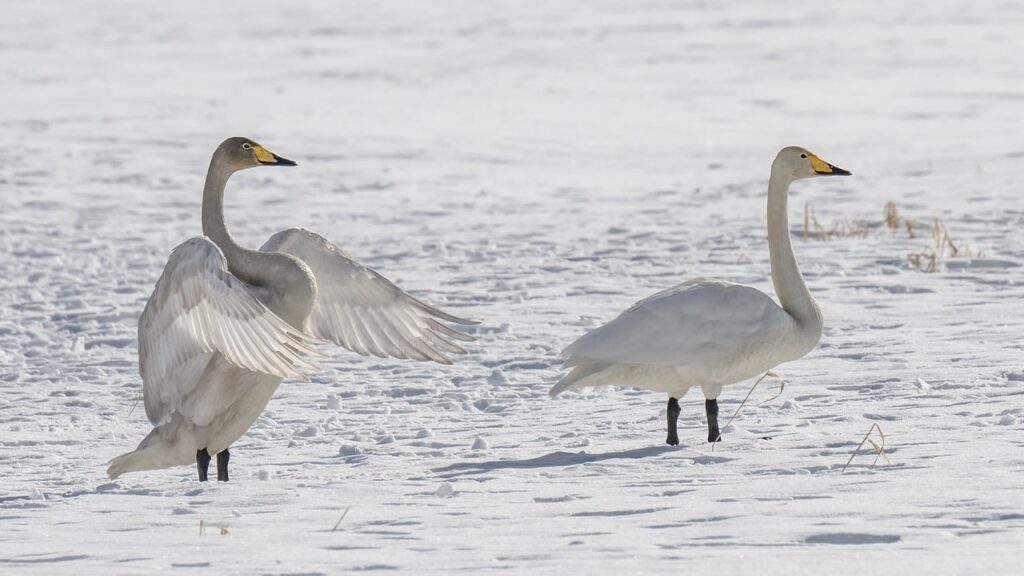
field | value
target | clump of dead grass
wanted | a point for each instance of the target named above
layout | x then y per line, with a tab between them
943	246
203	524
855	228
928	259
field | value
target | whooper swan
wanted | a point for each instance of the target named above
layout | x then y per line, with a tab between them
226	324
710	333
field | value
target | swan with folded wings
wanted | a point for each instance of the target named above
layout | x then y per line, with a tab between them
710	333
226	324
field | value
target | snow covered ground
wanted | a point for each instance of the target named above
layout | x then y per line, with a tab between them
539	167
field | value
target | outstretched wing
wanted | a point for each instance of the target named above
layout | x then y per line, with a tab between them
197	309
702	322
361	310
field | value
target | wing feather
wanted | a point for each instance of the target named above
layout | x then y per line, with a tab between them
704	322
361	310
198	309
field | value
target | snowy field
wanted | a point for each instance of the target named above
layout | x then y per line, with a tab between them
538	167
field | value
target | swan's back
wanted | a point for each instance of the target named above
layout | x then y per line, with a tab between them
706	329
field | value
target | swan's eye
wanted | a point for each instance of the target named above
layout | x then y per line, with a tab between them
246	146
803	155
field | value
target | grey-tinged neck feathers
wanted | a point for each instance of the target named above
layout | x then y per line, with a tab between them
244	263
291	285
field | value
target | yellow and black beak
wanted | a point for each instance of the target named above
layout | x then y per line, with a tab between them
826	169
268	158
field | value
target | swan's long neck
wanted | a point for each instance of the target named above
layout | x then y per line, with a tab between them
248	265
789	282
292	286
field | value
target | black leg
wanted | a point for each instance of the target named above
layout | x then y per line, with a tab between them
222	465
673	416
712	408
202	463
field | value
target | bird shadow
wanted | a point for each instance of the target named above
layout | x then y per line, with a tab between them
553	460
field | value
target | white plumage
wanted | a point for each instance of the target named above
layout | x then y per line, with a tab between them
225	325
709	333
199	308
361	310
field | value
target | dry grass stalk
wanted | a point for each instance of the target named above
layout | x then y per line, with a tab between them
745	398
892	216
895	221
925	260
879	449
134	404
807	221
782	388
343	514
202	529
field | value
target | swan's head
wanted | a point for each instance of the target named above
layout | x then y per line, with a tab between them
239	153
796	162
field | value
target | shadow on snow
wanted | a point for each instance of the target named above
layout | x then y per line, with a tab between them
557	460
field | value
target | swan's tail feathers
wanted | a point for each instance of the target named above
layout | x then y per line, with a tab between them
154	452
577	378
130	462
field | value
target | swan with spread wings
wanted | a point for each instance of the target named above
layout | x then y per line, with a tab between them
226	324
